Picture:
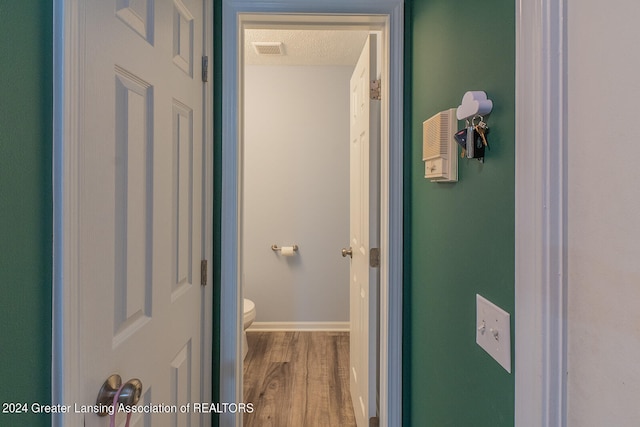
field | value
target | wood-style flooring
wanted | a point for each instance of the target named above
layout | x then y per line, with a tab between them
298	379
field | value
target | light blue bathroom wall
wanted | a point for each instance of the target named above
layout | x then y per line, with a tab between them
295	191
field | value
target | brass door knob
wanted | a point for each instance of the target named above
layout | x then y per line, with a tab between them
346	252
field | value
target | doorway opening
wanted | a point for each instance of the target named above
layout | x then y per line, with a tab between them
389	26
296	191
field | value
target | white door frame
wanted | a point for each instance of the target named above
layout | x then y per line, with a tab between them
540	252
390	16
68	79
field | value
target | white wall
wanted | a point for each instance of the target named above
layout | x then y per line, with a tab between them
296	190
603	213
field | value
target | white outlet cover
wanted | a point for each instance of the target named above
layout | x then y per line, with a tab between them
493	331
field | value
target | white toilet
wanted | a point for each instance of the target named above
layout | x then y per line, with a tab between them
249	317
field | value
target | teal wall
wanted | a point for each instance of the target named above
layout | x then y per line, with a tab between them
459	238
25	206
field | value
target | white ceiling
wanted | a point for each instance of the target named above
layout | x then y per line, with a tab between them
306	47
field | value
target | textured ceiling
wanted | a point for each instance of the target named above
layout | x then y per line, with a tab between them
306	47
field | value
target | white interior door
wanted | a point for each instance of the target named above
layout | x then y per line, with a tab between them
363	230
140	204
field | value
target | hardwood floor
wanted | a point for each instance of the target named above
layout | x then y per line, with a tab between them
298	379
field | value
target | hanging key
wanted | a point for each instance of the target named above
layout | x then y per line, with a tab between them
482	131
461	139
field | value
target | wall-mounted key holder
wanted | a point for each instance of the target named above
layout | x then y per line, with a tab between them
473	138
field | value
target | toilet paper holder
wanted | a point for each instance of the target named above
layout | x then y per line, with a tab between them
276	248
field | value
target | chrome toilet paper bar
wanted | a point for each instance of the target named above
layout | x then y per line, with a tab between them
276	248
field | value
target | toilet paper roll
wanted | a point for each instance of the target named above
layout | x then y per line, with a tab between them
287	251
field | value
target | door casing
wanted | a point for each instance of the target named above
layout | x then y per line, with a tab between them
540	214
388	18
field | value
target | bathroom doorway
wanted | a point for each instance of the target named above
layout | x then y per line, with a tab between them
391	196
296	195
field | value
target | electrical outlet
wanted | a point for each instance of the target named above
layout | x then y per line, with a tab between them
493	331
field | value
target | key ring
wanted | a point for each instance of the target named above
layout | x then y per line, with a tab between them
476	117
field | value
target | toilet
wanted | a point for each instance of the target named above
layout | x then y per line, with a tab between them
249	317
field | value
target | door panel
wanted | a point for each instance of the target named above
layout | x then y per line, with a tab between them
363	236
140	203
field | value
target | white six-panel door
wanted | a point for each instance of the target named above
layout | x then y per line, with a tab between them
363	236
140	203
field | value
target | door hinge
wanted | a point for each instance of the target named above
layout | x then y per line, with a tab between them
375	89
203	272
205	69
374	257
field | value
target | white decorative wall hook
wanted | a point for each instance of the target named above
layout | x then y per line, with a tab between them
474	103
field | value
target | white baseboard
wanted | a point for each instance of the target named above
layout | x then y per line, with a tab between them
299	326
